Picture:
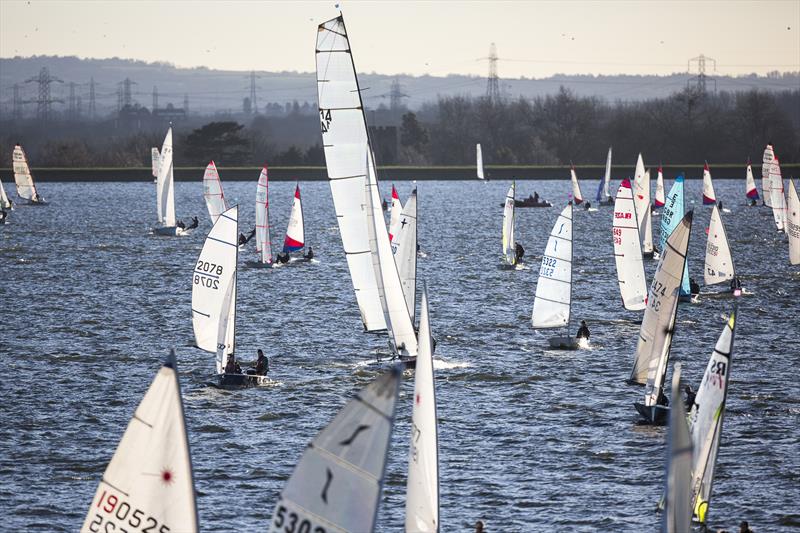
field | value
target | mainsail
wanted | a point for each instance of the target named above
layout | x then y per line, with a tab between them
480	160
778	197
709	197
344	136
705	419
263	239
149	481
719	263
212	192
22	175
155	161
165	189
214	272
405	256
336	485
659	199
793	224
607	178
671	216
576	188
509	250
655	334
5	203
394	218
766	179
677	510
551	304
750	184
627	253
422	488
641	200
295	232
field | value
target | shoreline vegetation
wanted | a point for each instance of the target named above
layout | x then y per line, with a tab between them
394	172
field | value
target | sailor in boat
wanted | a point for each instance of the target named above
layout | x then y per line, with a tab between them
180	225
3	216
744	527
282	257
519	251
694	288
194	223
535	198
244	239
385	204
690	396
583	331
261	365
310	255
753	202
736	284
662	398
587	205
232	367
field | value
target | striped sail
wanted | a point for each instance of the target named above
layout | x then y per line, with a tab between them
295	232
719	262
394	217
750	184
479	155
659	198
422	486
627	253
766	179
576	188
165	189
709	197
705	419
263	239
509	249
406	254
336	486
677	509
213	194
655	334
22	175
344	137
551	304
671	215
778	197
793	224
149	480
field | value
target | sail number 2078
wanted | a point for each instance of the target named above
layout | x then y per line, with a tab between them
207	274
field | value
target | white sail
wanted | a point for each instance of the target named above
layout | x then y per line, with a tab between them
480	161
422	488
677	510
641	200
627	251
778	196
719	263
509	249
576	188
551	304
766	179
263	239
344	137
406	254
214	271
394	218
295	232
709	197
22	175
655	334
607	178
705	419
793	224
226	325
212	192
148	483
5	203
336	485
155	161
165	189
390	289
659	199
750	189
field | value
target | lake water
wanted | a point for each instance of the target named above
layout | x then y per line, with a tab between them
530	439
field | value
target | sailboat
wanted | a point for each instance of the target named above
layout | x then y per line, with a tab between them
577	197
345	139
405	253
509	248
778	197
793	224
165	192
553	299
658	325
5	202
422	487
479	155
263	239
750	184
678	479
394	217
603	194
336	486
26	189
719	263
155	162
402	337
627	253
295	232
149	480
641	201
213	194
671	216
709	197
705	419
659	199
766	179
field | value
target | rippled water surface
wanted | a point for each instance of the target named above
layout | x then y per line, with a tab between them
530	439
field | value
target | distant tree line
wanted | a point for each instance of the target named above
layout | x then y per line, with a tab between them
687	127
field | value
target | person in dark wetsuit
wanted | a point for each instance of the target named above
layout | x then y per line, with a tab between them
719	205
282	258
3	216
310	255
232	367
662	398
245	239
736	284
535	197
690	396
519	251
587	206
180	224
194	223
753	202
694	288
262	364
583	331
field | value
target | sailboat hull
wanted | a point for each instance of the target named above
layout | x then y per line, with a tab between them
166	231
239	381
655	415
32	203
563	343
610	201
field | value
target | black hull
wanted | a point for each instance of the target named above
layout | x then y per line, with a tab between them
655	415
236	381
409	362
518	203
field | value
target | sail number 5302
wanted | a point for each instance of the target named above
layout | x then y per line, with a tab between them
291	523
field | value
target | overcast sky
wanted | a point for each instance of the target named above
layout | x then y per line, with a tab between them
534	39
